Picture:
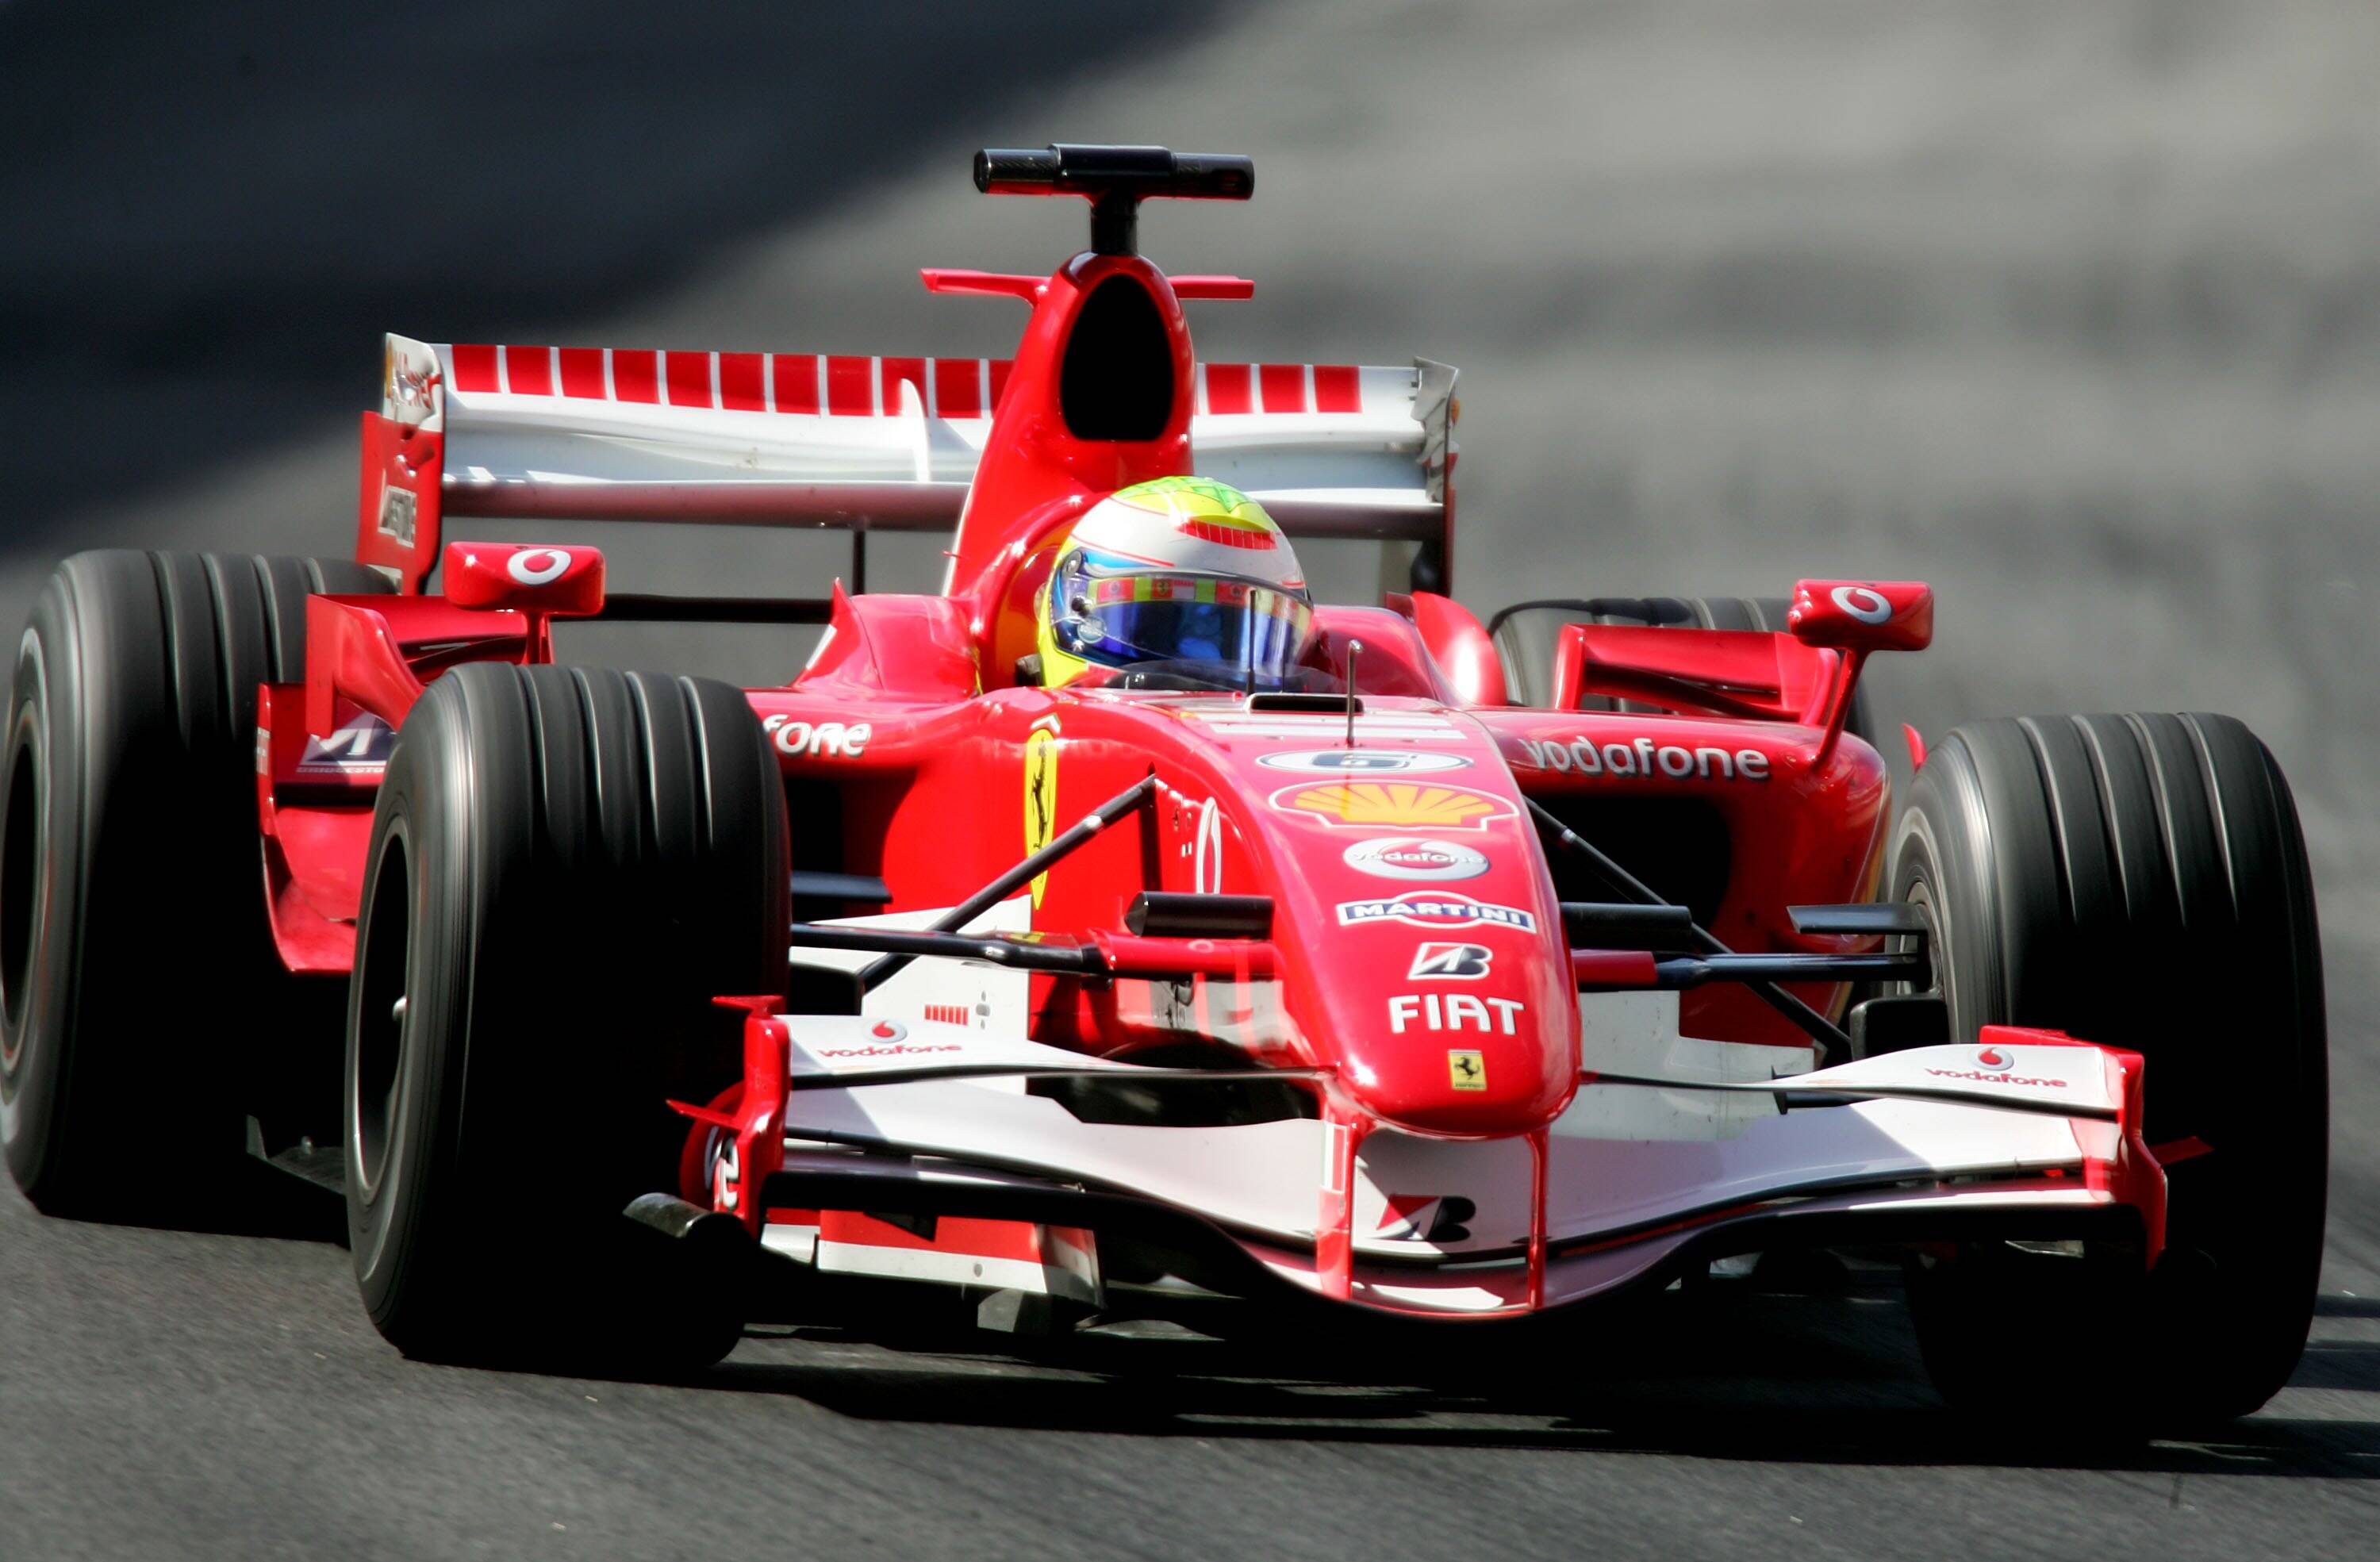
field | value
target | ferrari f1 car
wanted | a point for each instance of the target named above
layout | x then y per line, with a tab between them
1116	918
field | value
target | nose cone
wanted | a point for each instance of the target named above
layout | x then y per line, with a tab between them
1447	1018
1427	959
1440	973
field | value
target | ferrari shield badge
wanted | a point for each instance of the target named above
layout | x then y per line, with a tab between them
1466	1070
1040	798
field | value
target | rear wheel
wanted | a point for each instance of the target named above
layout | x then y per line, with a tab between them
130	887
566	866
2137	881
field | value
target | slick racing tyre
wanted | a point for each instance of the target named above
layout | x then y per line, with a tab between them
141	1000
566	866
1525	635
2137	881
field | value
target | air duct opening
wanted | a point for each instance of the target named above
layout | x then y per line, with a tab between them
1116	382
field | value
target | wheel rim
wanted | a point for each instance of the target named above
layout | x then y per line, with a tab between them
382	1023
1913	882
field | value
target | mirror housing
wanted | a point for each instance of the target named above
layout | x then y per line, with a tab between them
536	577
539	581
1863	615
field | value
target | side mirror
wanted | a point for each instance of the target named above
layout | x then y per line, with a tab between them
525	577
539	581
1863	615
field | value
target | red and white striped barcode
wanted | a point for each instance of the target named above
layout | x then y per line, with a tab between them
852	387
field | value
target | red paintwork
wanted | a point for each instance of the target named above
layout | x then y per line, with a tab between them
1612	968
1234	960
366	655
752	1114
1459	644
906	741
1808	829
1880	615
907	713
635	376
1722	671
538	582
793	380
2132	1174
476	367
1035	475
511	577
411	462
529	371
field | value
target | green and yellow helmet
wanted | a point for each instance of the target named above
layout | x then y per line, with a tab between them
1183	571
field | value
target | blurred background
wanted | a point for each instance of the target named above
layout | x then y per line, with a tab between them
2071	310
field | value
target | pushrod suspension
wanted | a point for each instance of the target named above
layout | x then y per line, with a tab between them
877	973
1825	1031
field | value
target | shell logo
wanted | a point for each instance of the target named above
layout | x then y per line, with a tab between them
1394	804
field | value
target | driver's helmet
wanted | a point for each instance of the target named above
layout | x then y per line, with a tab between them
1183	571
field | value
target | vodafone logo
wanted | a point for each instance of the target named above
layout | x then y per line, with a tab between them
818	739
1405	857
1991	1067
537	566
1863	602
890	1049
1982	1076
888	1030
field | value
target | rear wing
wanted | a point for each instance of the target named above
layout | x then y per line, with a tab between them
856	443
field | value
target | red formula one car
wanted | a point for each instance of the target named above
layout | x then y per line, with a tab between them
1149	926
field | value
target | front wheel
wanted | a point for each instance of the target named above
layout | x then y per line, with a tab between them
567	865
2137	881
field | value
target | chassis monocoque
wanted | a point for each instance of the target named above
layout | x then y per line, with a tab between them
1485	974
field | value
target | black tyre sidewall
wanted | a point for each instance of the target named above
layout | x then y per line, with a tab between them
44	762
2141	881
153	992
593	856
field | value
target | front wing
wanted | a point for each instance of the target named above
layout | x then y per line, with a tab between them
2026	1136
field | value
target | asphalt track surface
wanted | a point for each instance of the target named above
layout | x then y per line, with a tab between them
2071	311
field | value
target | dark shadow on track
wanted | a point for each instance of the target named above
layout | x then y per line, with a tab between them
261	1203
214	212
1830	1380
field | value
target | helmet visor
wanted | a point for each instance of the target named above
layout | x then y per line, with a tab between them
1248	633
